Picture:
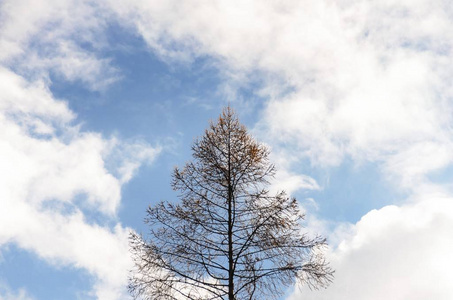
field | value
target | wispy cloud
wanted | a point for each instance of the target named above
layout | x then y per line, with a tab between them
64	37
7	294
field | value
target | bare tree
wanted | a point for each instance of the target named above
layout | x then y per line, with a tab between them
228	238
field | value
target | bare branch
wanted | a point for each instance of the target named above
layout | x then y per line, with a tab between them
228	238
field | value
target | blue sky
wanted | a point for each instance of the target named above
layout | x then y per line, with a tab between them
99	100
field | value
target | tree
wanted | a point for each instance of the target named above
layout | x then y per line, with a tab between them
228	238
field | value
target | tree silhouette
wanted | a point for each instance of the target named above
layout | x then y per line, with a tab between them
228	238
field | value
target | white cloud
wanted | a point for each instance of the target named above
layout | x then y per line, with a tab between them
16	101
46	35
292	182
368	78
52	172
51	166
394	253
68	240
133	154
73	63
370	100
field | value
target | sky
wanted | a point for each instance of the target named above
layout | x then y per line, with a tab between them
99	100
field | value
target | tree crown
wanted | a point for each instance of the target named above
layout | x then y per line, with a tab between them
228	238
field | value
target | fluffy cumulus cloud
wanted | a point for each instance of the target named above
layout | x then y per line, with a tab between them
394	253
52	172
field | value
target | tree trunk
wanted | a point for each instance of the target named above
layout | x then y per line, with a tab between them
230	227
